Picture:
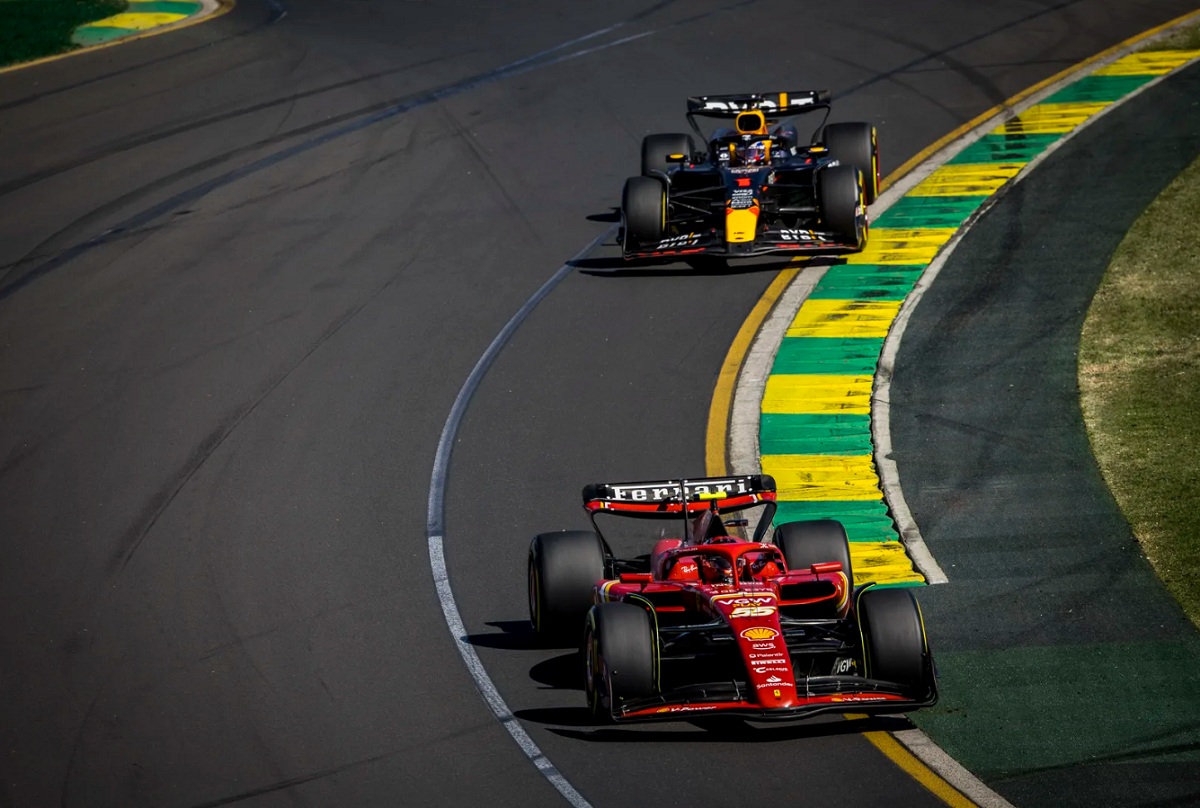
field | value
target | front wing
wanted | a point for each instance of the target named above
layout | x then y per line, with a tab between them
712	242
823	694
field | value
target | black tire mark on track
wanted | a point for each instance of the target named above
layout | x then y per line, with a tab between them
375	113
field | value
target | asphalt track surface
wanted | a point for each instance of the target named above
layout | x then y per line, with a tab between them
246	269
1062	654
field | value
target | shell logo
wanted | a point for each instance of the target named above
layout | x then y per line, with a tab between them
760	633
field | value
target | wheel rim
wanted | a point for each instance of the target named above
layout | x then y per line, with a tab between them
535	613
592	663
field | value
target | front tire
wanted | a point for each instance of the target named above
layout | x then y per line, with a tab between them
563	570
812	542
656	148
840	196
619	653
644	211
857	144
895	648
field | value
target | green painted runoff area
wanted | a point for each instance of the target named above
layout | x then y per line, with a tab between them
1048	696
33	29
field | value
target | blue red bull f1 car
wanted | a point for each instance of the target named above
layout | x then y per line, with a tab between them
754	188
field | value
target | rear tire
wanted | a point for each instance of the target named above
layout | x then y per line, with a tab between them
812	542
619	654
895	648
856	144
562	572
655	149
644	211
840	196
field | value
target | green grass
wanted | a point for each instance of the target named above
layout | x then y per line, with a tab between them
1183	39
31	29
1139	376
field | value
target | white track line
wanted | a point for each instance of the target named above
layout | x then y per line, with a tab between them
435	533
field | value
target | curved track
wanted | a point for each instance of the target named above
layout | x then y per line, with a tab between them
246	268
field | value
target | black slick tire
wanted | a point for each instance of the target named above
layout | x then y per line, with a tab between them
656	148
562	572
644	212
619	656
856	144
812	542
839	193
893	634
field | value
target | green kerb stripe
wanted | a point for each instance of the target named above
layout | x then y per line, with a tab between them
845	356
866	282
1005	148
163	7
1098	88
86	35
788	433
865	520
911	212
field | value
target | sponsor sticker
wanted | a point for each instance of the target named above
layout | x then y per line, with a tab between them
780	683
741	198
686	240
740	599
770	669
776	655
752	611
759	633
852	697
763	646
654	492
797	235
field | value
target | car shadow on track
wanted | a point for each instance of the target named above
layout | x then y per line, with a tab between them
614	266
513	635
618	267
577	723
564	672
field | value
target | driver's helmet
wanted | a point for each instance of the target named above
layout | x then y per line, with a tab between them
755	154
715	569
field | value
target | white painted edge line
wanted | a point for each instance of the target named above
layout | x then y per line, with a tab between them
435	529
747	395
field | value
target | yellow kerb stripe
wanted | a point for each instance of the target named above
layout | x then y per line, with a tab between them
823	477
1154	63
889	746
817	393
883	562
137	22
844	318
902	247
967	180
1051	118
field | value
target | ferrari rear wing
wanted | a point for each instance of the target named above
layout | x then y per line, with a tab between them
671	497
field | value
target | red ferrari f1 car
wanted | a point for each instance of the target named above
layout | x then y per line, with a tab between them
755	188
710	622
